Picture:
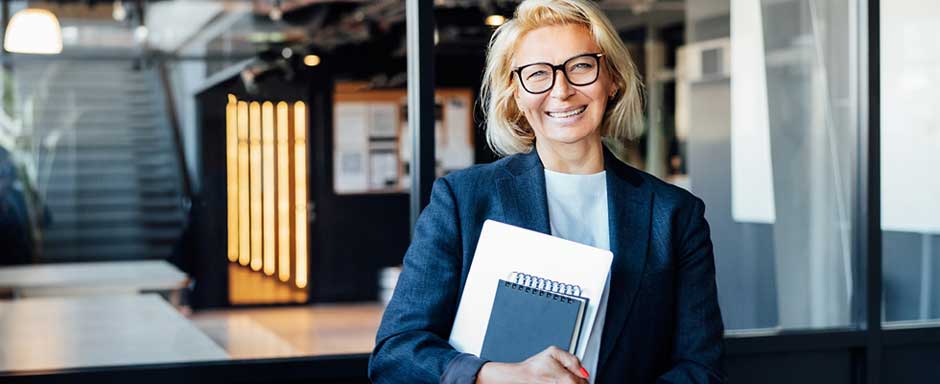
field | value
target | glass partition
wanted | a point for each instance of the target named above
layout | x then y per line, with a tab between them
768	99
910	139
253	158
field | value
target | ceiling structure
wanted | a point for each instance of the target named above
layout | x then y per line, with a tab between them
245	27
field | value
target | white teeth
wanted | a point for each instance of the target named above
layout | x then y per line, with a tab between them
567	114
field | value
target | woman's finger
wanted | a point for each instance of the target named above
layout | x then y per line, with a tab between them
569	361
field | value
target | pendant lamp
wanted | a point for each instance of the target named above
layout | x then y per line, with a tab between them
34	31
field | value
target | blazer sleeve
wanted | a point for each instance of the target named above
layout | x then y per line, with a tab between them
698	348
411	345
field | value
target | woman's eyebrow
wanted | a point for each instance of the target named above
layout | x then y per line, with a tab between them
550	63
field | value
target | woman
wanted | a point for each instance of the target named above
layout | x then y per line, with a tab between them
558	80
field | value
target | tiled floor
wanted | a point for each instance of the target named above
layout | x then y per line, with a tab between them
292	331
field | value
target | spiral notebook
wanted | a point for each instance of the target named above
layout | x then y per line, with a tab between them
531	313
503	249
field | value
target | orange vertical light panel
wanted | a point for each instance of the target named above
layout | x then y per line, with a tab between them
231	172
283	192
300	197
254	134
267	189
244	228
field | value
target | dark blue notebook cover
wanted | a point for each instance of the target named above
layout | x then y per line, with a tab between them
525	321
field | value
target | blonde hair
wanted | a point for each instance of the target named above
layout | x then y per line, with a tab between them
507	130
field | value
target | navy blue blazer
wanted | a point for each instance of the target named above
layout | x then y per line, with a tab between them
663	323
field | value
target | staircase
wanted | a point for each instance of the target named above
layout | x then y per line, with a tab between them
112	181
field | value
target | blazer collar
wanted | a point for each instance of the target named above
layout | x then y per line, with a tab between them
522	192
629	200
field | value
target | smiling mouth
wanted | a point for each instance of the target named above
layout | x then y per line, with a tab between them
573	112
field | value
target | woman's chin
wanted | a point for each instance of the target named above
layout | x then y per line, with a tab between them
566	135
567	139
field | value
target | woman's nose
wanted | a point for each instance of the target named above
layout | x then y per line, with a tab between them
561	89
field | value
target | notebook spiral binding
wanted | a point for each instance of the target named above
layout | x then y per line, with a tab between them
523	280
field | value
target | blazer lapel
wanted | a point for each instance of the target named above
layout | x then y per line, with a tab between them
522	193
629	202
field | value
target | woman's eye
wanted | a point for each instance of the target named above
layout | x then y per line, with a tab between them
536	75
583	66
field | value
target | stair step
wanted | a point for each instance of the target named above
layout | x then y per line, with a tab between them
83	190
107	99
86	126
64	83
101	172
114	187
86	122
102	166
130	231
101	69
118	218
115	142
105	252
114	203
82	193
97	109
73	157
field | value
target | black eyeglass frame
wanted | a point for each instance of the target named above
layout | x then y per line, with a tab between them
562	66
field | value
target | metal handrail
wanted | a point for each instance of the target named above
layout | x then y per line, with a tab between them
173	117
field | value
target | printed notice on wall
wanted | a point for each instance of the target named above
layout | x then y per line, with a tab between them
383	121
372	145
457	151
350	147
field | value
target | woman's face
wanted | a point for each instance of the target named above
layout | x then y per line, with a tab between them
566	113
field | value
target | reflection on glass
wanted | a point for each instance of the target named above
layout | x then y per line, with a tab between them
772	145
910	139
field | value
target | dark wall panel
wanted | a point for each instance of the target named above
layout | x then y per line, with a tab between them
911	364
822	367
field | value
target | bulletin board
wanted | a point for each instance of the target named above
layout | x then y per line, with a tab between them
371	145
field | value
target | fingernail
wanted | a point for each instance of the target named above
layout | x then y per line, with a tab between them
584	373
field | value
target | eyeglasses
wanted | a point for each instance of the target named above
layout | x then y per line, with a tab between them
580	70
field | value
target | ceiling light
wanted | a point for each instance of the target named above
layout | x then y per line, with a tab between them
495	20
118	12
34	31
276	12
141	33
312	60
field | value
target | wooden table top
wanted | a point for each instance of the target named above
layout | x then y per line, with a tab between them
58	333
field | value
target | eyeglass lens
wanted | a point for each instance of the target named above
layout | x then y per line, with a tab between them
581	70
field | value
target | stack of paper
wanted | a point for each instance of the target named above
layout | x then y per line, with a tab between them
504	249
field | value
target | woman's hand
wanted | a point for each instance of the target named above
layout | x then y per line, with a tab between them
552	365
